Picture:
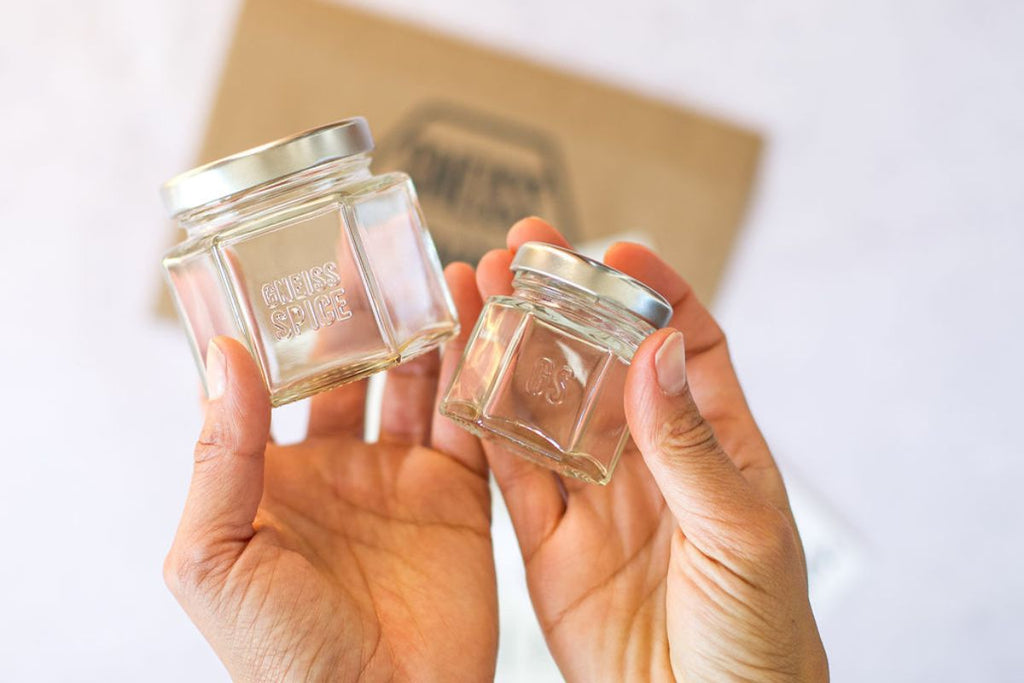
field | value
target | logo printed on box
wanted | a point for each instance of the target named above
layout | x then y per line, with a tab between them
476	174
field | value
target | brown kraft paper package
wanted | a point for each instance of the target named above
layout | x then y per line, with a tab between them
489	138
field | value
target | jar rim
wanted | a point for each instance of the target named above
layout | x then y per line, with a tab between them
265	163
594	277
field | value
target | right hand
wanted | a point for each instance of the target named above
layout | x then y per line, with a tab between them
688	565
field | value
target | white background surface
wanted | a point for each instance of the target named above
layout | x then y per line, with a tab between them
873	305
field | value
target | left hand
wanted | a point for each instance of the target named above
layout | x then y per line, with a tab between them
336	559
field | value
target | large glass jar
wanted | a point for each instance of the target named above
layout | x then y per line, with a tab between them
323	270
544	369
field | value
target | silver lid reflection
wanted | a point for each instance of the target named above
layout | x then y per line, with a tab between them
595	278
245	170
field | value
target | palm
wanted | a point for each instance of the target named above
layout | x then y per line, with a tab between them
616	598
380	546
599	578
609	568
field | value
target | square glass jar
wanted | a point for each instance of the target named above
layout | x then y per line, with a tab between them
326	272
544	369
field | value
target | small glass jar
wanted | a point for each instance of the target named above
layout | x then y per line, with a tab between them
545	368
323	270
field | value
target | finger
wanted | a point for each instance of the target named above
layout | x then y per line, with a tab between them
717	509
338	411
533	495
714	385
446	436
408	404
534	229
204	402
635	260
493	276
227	479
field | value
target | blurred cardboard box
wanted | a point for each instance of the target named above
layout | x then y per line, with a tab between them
488	138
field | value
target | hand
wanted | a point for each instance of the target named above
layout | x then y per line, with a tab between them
688	564
335	559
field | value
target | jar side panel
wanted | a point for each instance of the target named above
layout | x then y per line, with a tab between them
499	327
540	396
203	304
401	257
303	294
603	433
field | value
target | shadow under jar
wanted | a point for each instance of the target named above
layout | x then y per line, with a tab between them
323	270
545	368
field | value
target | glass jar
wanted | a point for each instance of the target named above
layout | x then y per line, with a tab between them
545	368
323	270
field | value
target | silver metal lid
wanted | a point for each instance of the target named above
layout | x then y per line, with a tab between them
594	278
238	172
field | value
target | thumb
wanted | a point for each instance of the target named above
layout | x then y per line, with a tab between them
227	478
710	499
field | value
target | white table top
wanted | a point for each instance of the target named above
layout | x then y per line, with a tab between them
873	306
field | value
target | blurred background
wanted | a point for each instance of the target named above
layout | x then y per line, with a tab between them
872	299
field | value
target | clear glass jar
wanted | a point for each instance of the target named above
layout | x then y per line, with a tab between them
323	270
544	369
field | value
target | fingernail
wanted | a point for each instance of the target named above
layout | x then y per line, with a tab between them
216	372
670	364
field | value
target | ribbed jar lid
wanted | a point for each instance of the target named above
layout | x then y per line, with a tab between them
277	159
595	278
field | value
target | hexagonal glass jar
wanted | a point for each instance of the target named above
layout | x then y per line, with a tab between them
326	272
544	369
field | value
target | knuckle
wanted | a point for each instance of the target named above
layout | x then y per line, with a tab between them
717	335
219	439
687	433
205	450
775	542
208	445
170	572
189	570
